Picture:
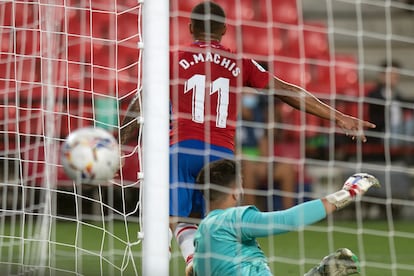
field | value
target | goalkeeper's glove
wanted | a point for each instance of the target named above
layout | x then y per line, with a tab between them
354	187
340	263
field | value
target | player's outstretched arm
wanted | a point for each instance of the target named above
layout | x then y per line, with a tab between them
302	99
355	186
340	263
130	123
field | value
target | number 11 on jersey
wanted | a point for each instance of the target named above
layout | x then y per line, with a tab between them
197	84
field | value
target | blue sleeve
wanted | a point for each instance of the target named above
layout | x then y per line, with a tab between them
261	224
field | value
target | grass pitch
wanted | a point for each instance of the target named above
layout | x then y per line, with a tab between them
97	249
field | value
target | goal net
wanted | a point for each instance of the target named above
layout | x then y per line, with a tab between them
66	65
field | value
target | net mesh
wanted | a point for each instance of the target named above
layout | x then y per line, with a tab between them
66	65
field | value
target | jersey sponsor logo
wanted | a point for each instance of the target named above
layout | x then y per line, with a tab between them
226	63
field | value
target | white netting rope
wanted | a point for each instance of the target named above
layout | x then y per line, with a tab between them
54	77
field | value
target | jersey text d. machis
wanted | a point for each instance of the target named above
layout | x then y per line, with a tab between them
206	79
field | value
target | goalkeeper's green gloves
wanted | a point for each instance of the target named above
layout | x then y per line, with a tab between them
340	263
354	187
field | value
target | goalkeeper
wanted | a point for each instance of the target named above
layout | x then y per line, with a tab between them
225	242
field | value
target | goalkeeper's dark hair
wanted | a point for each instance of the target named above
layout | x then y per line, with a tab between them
218	178
208	17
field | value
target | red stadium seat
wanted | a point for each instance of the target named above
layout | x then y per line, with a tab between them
123	5
321	78
261	41
77	111
7	10
242	10
7	71
179	31
337	80
346	72
183	6
315	40
292	72
321	89
28	69
104	56
103	25
7	40
321	70
279	11
8	117
343	70
229	39
79	22
103	5
31	120
79	76
104	81
116	55
19	14
127	53
127	81
79	48
312	40
7	89
127	25
30	94
112	6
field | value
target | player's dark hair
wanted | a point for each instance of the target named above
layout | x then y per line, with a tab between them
207	17
218	178
392	63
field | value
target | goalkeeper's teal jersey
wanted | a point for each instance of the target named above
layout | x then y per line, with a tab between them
225	242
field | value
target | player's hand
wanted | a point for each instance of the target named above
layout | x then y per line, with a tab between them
355	186
359	183
340	263
354	127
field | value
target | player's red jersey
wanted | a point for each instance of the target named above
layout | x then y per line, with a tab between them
205	81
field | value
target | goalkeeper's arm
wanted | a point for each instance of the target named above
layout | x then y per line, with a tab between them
306	213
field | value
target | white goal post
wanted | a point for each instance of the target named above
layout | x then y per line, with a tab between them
156	138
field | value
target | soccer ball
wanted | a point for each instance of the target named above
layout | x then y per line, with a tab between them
90	155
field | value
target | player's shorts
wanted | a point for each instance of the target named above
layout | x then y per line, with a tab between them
187	158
